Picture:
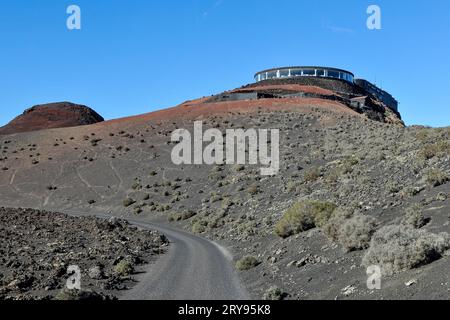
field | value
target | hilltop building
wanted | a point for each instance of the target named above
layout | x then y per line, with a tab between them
330	73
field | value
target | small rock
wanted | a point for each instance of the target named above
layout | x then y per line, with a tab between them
441	196
302	262
272	260
411	283
95	273
349	290
290	264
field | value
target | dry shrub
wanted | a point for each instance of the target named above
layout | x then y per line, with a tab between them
397	248
353	232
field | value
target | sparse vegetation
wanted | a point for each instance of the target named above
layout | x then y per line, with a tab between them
394	187
215	197
291	186
438	149
94	142
253	190
199	227
397	248
124	268
247	263
136	186
78	295
414	218
356	232
312	174
344	175
302	216
274	293
436	177
128	202
182	216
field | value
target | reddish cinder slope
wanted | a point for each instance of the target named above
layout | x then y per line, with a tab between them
289	87
53	115
198	109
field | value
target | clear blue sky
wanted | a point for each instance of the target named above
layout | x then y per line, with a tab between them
136	56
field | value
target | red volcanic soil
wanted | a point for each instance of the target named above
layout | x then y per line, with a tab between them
62	115
198	109
53	115
290	87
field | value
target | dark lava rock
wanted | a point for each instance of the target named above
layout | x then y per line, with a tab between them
37	248
52	115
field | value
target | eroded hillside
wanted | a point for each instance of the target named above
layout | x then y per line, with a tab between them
335	164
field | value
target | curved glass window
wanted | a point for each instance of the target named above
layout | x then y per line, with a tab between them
284	73
333	74
320	72
271	75
305	72
296	73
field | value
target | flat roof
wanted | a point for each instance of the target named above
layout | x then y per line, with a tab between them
304	67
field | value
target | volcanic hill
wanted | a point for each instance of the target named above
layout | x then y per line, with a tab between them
52	115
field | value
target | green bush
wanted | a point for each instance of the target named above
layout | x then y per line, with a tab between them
182	216
302	216
393	187
128	202
312	174
348	164
199	226
438	149
94	142
253	190
274	293
436	177
124	268
247	263
291	186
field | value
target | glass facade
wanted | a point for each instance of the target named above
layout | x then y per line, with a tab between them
272	75
305	72
296	73
284	74
333	74
309	72
321	73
